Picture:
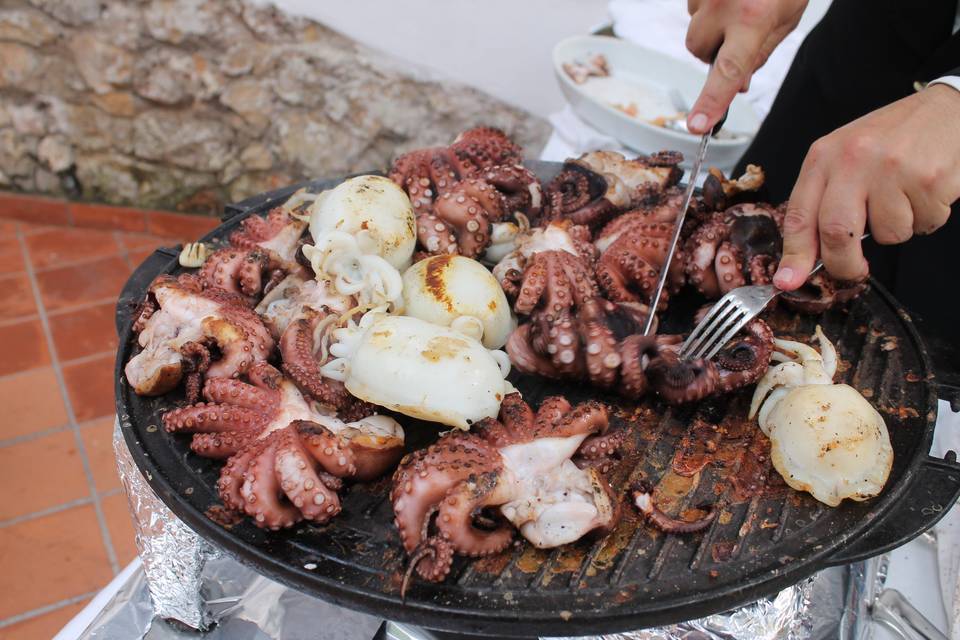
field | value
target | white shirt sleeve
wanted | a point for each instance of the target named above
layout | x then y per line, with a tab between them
952	81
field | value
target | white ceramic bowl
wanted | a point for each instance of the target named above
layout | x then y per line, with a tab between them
648	69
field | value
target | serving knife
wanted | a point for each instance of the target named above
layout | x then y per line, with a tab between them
687	196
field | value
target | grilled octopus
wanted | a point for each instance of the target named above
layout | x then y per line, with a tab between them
178	322
285	456
466	493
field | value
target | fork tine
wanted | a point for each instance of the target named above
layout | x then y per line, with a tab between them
714	318
721	306
725	338
717	332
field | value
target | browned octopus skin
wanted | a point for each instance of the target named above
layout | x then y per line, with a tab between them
593	188
742	246
278	226
260	255
509	272
741	362
738	247
822	292
572	332
633	252
457	192
179	335
247	272
282	465
439	493
643	499
719	192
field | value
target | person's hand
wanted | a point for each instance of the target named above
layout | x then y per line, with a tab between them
897	168
741	34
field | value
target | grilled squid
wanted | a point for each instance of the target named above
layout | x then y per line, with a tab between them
825	438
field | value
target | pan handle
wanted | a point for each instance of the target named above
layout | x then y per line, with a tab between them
136	286
934	491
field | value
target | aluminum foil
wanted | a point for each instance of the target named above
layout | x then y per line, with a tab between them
173	555
831	605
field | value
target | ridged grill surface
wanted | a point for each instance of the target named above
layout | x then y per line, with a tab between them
763	535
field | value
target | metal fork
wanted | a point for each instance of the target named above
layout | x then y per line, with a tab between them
730	314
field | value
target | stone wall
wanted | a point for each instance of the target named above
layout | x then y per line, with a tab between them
190	104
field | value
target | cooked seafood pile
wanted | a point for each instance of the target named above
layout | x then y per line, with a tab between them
307	343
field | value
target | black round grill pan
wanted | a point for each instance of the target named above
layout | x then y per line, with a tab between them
635	577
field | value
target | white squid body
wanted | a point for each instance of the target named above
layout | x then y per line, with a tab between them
374	210
825	438
419	369
454	291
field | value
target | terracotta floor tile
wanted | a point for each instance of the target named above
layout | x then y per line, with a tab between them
84	331
98	442
91	282
11	256
116	512
179	225
91	215
90	385
16	297
28	208
31	402
144	240
26	489
43	626
28	229
8	227
51	558
137	256
23	346
65	245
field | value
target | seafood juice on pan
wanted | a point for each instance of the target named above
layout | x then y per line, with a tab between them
313	342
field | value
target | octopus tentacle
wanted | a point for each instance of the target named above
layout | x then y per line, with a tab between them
681	381
601	445
636	352
455	518
425	476
221	445
299	480
643	500
746	358
468	218
432	560
552	409
210	418
241	394
299	362
435	235
326	448
263	499
232	475
585	418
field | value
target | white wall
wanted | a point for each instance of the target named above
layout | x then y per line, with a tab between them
500	46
